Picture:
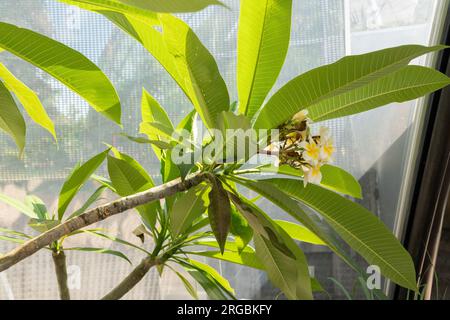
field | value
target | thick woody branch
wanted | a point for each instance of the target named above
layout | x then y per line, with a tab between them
98	214
132	279
59	259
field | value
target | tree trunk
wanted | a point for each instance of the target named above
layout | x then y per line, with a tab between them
59	259
132	279
98	214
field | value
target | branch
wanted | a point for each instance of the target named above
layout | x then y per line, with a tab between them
59	259
98	214
132	279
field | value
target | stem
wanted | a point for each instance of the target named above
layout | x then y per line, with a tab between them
98	214
59	260
132	279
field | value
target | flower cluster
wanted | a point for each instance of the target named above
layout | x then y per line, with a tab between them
301	150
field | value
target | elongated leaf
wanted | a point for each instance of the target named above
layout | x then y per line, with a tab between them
42	226
66	65
364	232
240	229
345	75
104	182
214	275
29	100
283	260
38	207
161	145
152	111
15	233
189	288
158	131
211	287
76	180
129	177
263	41
247	257
291	206
93	198
115	239
102	251
187	123
22	207
333	178
219	212
12	239
11	120
145	8
186	208
339	180
172	6
203	82
406	84
299	232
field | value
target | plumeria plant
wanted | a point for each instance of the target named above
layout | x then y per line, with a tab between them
205	176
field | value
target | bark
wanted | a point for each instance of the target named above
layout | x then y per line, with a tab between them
132	279
98	214
59	259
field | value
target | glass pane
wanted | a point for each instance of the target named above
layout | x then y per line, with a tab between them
372	146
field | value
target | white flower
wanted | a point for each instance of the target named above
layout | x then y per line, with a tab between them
326	146
311	151
311	175
300	116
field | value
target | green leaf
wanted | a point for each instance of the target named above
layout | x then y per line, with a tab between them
162	145
66	65
104	182
189	288
211	287
339	180
363	231
152	111
263	41
219	212
102	251
129	177
29	100
202	80
241	230
187	123
246	257
76	180
299	232
38	206
333	178
214	275
43	225
145	8
345	75
158	130
12	239
23	208
115	239
11	120
186	208
15	233
293	208
406	84
172	6
283	260
93	198
342	288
